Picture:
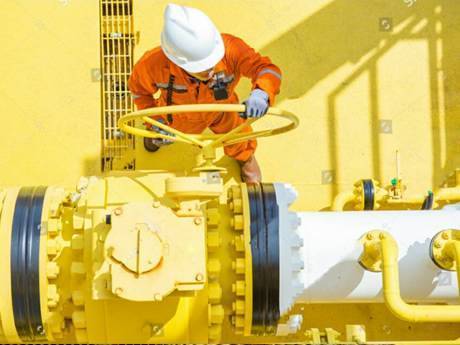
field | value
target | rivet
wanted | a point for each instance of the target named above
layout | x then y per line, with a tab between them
157	297
199	277
118	211
437	244
197	220
382	236
118	291
156	204
369	236
445	235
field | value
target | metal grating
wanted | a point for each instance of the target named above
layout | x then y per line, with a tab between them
117	43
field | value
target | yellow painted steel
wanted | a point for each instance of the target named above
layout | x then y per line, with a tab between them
380	254
445	251
212	140
6	306
342	199
385	196
343	80
248	261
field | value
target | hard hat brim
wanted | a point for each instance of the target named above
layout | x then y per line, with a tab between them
201	65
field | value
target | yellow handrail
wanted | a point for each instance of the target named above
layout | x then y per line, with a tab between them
388	252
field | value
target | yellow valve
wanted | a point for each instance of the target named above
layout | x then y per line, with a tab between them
203	140
381	246
207	142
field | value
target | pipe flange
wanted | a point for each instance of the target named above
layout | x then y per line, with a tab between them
291	248
215	308
241	263
371	258
440	252
54	242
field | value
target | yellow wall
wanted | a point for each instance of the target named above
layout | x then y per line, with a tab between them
342	74
49	105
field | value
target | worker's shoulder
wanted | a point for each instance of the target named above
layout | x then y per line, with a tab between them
154	58
229	38
233	43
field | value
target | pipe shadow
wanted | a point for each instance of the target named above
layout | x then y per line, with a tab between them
346	275
345	32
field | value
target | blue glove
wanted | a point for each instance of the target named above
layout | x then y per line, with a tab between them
161	141
256	104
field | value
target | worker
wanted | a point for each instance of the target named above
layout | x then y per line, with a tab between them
197	64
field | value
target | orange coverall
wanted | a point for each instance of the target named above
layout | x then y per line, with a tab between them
153	72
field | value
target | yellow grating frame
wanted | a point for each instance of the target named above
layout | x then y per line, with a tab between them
117	44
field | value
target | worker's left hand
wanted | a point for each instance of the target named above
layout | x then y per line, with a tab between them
161	141
256	104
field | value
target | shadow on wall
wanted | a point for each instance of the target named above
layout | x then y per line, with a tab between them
344	32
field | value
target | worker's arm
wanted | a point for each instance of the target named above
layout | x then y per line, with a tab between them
142	86
264	74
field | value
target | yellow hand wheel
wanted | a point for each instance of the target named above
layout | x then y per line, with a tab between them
205	141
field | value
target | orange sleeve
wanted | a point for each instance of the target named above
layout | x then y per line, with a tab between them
264	74
142	85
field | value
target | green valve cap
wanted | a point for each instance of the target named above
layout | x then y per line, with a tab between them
394	181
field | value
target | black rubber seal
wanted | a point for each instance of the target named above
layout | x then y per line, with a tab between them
428	202
264	214
25	250
369	194
273	256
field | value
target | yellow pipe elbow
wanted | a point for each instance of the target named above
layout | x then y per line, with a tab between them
392	293
453	249
445	194
341	200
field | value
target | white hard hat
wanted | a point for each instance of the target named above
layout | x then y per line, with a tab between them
190	39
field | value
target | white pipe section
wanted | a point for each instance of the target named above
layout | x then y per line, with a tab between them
331	251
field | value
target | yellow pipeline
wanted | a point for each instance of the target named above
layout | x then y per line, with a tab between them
383	197
453	250
341	200
391	290
448	194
